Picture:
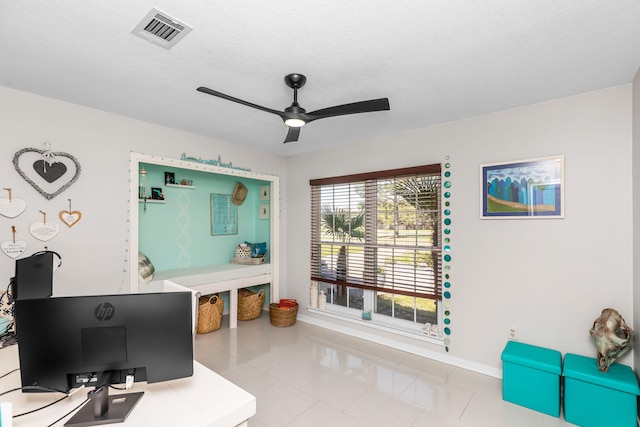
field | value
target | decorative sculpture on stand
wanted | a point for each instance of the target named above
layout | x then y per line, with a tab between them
613	337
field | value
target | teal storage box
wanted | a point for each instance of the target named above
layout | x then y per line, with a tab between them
593	398
531	377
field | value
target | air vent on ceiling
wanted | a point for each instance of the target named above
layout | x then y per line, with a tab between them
161	29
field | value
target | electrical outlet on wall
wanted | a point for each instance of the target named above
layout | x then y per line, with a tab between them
512	332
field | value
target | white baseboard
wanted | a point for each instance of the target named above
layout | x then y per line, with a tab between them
409	348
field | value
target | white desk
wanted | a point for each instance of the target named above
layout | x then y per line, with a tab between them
212	279
204	400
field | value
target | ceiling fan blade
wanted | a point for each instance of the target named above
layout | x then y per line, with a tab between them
353	108
292	135
239	101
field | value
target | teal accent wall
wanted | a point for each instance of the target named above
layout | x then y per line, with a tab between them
177	233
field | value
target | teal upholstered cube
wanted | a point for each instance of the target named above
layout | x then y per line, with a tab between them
531	377
593	398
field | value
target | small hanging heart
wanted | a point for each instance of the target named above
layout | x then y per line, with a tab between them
13	207
50	172
13	249
44	231
70	218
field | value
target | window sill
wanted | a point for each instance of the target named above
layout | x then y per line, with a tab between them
353	316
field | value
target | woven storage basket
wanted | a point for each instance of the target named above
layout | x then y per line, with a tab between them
280	317
210	310
250	304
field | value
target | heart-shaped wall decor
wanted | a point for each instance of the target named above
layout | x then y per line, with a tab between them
13	207
13	249
58	177
44	232
50	172
70	218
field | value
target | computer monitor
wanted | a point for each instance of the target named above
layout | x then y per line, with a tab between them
67	342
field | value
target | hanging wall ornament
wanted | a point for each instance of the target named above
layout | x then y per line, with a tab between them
13	248
44	230
70	218
48	172
11	207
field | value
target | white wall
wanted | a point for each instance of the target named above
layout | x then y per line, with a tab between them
94	251
550	277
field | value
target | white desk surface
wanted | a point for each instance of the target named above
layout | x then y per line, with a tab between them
197	276
206	399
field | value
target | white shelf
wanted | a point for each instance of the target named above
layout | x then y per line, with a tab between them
151	201
180	186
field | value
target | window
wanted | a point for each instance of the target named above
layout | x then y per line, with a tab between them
376	243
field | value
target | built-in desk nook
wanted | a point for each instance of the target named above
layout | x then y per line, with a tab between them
212	279
190	237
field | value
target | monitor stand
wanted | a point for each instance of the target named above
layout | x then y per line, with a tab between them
104	409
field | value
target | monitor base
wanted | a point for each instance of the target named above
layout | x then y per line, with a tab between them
119	407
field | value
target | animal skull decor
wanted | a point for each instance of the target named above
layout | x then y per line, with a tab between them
613	337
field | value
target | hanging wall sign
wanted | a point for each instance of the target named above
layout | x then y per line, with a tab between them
70	218
10	206
45	230
13	248
50	173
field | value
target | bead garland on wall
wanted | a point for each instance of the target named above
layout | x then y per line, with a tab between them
446	213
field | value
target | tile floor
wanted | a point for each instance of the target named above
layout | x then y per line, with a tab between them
308	376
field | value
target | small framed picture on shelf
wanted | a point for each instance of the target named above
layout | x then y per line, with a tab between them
156	193
265	192
169	178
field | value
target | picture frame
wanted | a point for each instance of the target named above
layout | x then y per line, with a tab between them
169	178
523	189
264	211
265	192
224	215
156	193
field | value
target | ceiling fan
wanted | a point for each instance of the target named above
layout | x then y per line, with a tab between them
295	116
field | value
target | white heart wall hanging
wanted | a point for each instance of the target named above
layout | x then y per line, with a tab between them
44	231
49	179
13	249
12	207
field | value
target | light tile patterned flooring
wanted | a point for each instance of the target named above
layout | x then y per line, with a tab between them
307	376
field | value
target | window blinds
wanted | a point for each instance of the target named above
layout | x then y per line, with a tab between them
379	231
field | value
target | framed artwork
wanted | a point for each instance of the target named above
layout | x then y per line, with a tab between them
264	211
224	215
156	193
265	192
169	178
531	188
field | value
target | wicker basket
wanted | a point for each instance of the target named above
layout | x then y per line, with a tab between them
250	304
281	317
210	310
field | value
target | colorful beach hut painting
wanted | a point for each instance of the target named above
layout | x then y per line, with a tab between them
523	189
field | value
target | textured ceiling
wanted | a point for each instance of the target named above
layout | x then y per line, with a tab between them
436	61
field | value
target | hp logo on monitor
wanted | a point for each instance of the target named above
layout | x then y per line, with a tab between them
104	311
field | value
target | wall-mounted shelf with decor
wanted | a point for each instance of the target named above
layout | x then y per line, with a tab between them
151	201
192	187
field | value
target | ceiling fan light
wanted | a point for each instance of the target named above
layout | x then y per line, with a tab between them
294	123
